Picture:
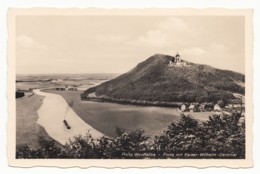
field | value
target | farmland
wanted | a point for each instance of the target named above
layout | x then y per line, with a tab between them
27	129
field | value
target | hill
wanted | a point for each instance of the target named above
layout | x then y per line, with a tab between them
154	80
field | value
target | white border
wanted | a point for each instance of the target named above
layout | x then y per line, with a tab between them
124	4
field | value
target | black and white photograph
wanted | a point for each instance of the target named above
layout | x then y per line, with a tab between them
131	84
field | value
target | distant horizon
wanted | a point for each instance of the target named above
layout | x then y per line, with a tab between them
116	73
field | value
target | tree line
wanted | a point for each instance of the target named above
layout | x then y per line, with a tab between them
221	136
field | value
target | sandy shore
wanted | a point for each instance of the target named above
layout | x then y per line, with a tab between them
52	113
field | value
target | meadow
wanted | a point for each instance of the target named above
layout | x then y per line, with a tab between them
27	129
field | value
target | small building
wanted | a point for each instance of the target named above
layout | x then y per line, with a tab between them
67	88
234	106
191	107
194	107
72	89
184	108
177	61
60	89
202	107
217	107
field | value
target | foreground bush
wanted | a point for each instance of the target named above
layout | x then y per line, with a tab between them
220	134
220	137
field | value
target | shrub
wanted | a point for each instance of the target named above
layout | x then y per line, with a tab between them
219	134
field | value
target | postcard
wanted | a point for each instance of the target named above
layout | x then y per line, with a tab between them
130	87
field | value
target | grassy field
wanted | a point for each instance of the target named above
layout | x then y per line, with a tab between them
105	117
27	130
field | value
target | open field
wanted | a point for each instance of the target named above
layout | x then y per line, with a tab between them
27	130
26	82
105	117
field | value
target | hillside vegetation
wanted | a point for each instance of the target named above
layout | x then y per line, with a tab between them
153	80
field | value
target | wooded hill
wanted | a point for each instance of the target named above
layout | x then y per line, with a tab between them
154	80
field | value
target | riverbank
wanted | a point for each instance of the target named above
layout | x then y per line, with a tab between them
27	129
92	97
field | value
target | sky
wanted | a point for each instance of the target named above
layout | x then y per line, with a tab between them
116	44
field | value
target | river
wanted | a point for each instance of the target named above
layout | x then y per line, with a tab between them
53	111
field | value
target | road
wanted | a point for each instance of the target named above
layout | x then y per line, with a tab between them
53	111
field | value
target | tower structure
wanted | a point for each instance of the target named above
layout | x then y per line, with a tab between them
178	57
177	61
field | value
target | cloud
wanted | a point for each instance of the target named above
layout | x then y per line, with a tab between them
213	49
217	48
153	38
171	33
28	42
173	24
194	51
110	38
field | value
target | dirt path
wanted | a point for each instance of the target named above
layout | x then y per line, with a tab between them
52	113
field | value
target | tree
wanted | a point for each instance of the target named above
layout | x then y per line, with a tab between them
224	134
180	136
81	147
134	141
219	134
